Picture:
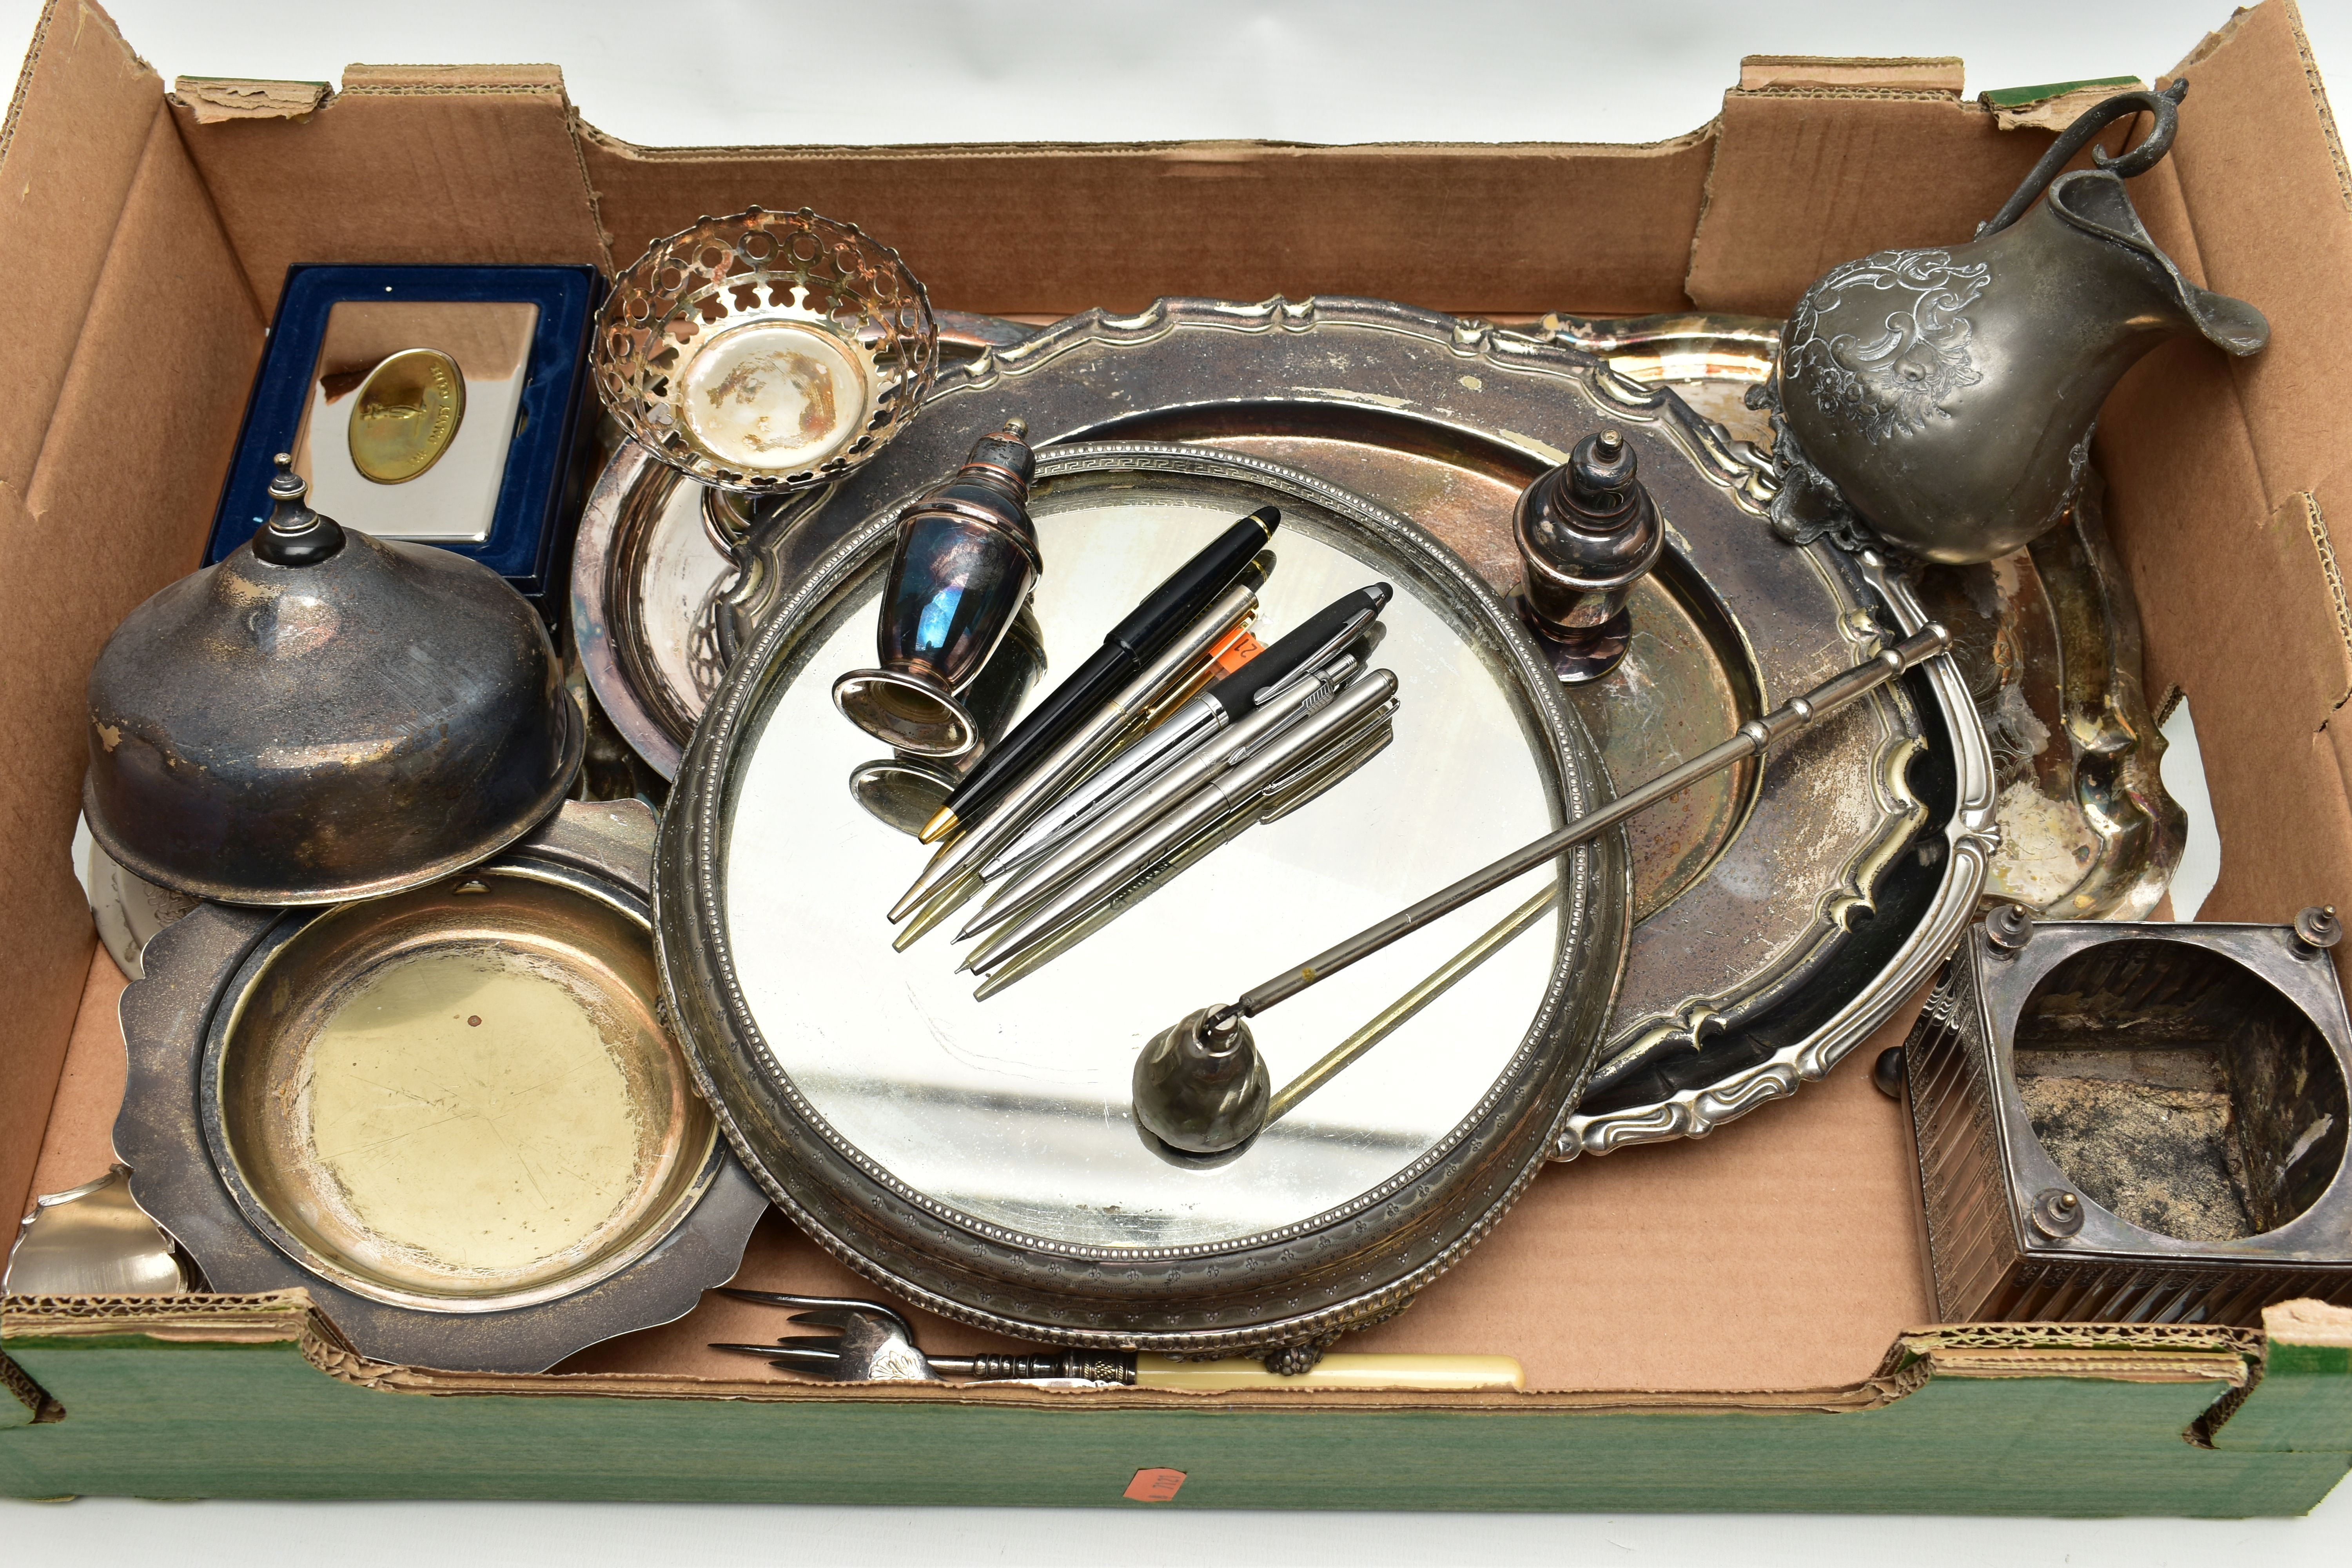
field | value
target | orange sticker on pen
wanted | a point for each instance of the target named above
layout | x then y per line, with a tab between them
1154	1485
1236	652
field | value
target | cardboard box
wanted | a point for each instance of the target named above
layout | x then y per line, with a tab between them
1728	1324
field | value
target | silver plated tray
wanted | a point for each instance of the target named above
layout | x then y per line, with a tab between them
1730	999
2047	640
455	1190
980	1157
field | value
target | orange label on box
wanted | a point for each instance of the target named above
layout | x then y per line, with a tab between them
1154	1485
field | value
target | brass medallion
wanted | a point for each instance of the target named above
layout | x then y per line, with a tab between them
406	415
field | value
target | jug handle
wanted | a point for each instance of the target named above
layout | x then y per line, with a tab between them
2139	160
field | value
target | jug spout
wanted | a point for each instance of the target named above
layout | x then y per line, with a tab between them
1942	401
2094	203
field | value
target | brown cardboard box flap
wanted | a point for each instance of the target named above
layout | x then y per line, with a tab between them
212	99
2133	1354
1861	76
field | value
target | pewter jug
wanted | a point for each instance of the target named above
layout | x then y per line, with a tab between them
1944	399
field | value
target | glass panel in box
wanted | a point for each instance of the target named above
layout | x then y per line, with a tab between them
411	407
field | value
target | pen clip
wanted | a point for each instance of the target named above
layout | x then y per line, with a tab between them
1347	633
1330	681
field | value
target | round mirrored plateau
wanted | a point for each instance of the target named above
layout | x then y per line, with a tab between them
981	1157
1791	908
452	1114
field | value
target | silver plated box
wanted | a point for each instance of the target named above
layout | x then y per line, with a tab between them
2134	1123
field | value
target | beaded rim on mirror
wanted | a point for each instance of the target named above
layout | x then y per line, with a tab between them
1295	1284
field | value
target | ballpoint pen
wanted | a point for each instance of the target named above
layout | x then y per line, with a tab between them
1231	698
1095	733
1052	925
1278	800
1156	796
1336	724
1165	612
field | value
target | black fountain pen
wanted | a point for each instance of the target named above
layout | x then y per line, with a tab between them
1165	611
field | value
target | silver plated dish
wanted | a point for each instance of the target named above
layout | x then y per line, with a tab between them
981	1157
765	352
452	1114
660	560
1445	421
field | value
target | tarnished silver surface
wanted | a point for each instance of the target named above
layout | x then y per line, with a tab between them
2048	640
647	571
980	1157
1943	399
322	715
92	1240
765	352
655	564
127	908
1925	896
2128	1123
1926	901
210	1159
1445	422
2050	643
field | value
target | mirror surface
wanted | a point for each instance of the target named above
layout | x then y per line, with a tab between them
450	455
1016	1110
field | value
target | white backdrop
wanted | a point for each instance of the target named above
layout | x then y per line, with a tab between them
736	71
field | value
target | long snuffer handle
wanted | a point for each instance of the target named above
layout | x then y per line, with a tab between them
1749	741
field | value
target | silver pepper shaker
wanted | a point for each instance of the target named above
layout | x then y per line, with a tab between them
1587	532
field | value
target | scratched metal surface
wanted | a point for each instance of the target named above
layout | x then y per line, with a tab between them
1748	883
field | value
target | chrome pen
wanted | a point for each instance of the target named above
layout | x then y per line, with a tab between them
1277	801
1234	698
1155	797
1337	724
1211	817
1069	759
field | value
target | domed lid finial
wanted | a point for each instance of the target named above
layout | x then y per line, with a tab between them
295	535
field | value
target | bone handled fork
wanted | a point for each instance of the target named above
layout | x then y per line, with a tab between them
871	1343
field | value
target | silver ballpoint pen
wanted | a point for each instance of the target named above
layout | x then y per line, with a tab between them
1045	873
1226	703
1302	744
1278	800
1177	663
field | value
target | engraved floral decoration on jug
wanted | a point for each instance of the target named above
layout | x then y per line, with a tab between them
1896	382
